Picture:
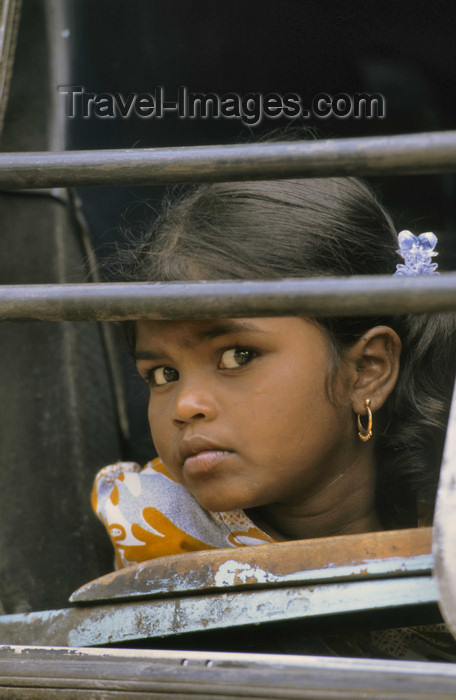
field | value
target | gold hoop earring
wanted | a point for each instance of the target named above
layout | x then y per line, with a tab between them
365	434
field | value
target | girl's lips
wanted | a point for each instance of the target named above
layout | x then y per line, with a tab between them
204	462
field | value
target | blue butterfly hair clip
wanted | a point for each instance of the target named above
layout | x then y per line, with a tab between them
417	252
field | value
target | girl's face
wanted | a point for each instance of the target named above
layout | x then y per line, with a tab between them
239	409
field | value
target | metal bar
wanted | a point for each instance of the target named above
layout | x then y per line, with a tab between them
110	623
10	11
328	559
242	576
346	296
410	154
443	545
59	672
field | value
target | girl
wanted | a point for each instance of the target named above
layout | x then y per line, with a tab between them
279	428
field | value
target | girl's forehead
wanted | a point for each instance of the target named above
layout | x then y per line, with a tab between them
200	329
191	333
196	331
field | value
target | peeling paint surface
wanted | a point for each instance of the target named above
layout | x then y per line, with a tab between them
105	624
231	572
351	557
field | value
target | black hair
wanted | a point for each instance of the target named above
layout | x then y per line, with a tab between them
313	228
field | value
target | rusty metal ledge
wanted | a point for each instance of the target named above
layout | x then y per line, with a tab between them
298	562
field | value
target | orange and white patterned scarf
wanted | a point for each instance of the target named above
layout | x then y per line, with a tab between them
148	514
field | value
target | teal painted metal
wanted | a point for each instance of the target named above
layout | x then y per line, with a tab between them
107	624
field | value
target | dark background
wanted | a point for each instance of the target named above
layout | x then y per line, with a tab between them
405	51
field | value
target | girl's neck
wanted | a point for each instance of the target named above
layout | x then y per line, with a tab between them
284	527
346	506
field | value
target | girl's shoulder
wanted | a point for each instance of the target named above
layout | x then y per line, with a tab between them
107	476
109	479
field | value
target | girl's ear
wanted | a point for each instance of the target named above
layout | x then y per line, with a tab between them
375	361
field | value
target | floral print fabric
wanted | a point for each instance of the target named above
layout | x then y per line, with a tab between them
148	514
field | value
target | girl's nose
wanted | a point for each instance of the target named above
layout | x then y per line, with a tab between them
193	403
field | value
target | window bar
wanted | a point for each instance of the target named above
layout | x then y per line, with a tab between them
347	296
433	152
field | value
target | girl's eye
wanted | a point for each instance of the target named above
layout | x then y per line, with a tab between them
236	357
162	375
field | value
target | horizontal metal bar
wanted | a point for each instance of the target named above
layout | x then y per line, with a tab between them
62	672
377	568
391	553
431	152
330	296
106	624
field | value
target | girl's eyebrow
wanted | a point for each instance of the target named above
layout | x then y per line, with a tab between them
227	327
145	355
215	331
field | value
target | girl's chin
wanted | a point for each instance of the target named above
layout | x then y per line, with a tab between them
216	503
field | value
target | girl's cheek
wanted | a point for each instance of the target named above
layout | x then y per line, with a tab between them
158	421
152	415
